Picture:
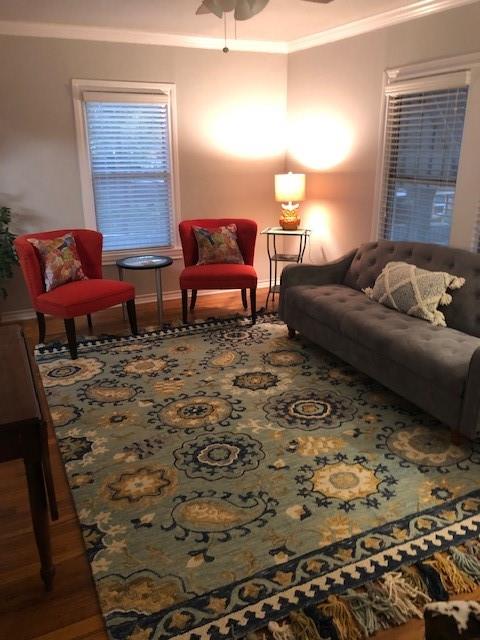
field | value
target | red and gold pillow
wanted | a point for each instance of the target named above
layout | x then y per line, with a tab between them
60	260
218	245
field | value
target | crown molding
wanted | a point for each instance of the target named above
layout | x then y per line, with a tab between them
432	67
417	9
130	36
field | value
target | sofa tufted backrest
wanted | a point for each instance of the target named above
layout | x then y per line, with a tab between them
464	311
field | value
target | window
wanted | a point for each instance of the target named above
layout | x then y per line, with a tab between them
423	140
126	147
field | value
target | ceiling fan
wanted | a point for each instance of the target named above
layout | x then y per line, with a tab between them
244	9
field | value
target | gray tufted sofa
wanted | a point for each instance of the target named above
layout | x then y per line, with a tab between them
436	368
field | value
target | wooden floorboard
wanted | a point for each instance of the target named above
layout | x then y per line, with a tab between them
71	610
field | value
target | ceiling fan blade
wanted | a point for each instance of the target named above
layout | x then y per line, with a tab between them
246	9
217	7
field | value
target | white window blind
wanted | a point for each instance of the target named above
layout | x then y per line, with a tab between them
423	138
130	162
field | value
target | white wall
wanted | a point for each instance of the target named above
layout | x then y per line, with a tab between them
219	175
335	90
340	84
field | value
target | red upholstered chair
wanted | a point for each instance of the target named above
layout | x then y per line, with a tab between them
81	297
218	276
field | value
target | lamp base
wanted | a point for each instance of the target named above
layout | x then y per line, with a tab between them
290	224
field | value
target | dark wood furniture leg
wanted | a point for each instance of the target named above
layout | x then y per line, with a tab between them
193	299
291	332
90	323
253	304
71	336
184	306
47	423
24	420
132	316
41	327
38	504
244	298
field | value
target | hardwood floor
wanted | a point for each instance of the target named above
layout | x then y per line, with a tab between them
71	611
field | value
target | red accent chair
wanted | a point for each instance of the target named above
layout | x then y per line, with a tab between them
218	276
81	297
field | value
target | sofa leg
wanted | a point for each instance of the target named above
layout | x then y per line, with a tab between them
253	304
193	299
291	332
132	316
71	337
184	306
41	327
456	437
244	298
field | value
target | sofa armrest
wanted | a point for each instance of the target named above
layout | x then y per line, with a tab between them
470	420
317	274
313	274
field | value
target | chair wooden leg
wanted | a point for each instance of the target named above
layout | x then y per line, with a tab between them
71	337
132	316
184	306
41	327
193	299
90	323
253	304
244	298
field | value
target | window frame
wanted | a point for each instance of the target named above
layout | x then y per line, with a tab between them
429	76
110	88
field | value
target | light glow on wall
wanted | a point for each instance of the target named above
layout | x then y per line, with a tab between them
318	217
249	130
320	141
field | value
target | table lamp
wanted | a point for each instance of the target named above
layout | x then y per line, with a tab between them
289	190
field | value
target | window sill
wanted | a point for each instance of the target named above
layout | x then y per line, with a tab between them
111	257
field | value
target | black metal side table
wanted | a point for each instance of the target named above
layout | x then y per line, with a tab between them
147	262
274	257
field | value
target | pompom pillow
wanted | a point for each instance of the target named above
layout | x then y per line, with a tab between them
219	245
60	260
417	292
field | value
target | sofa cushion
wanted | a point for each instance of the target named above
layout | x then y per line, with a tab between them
438	354
417	292
464	312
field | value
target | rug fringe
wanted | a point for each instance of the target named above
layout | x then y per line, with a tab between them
343	617
453	578
391	600
281	631
468	563
303	627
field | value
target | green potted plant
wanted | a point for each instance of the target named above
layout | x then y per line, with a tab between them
8	257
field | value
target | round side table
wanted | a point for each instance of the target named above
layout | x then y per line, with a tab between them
139	263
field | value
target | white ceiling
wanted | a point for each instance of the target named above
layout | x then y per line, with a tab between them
280	21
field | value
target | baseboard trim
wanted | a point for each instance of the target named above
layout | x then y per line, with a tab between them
28	314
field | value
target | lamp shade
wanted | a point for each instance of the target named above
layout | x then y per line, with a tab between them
290	187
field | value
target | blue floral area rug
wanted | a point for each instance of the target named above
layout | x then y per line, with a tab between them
228	479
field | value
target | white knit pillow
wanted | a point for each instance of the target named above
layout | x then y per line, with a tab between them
417	292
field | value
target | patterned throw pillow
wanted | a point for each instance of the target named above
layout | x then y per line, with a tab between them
60	260
218	245
417	292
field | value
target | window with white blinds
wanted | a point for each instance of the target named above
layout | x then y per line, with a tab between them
423	138
126	159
